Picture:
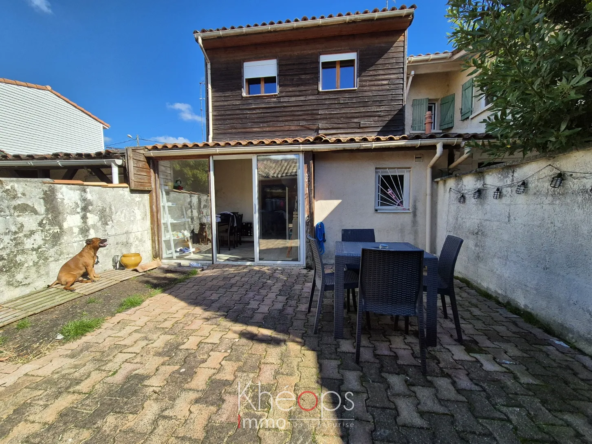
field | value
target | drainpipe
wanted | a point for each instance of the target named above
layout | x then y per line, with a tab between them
439	151
409	84
461	159
209	85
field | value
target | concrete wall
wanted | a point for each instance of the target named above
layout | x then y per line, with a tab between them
234	187
44	225
34	121
533	249
345	195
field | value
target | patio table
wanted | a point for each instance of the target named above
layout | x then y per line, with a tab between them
349	253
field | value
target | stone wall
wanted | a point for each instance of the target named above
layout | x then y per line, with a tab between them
43	225
532	249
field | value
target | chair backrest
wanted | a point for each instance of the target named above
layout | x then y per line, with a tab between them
447	259
391	281
358	235
317	259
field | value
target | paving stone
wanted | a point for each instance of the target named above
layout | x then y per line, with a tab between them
578	422
562	434
488	363
480	406
525	428
445	389
408	415
502	430
464	420
539	413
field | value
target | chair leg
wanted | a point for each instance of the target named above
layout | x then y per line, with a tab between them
455	316
422	347
443	297
311	292
368	320
319	308
359	333
396	322
406	325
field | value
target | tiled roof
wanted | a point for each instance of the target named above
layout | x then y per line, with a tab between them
306	19
107	154
48	88
320	139
276	169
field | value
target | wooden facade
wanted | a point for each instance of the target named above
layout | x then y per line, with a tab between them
299	109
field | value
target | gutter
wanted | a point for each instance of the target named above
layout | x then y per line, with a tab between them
461	159
429	58
209	84
321	147
428	242
59	163
409	84
208	35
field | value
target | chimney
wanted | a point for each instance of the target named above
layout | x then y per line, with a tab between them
428	122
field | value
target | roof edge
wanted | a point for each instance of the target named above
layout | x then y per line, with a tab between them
445	56
48	88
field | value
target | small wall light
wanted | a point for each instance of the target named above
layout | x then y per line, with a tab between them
557	181
477	194
497	193
520	189
462	199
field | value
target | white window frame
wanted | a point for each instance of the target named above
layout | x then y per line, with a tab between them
257	69
335	58
434	104
479	105
406	197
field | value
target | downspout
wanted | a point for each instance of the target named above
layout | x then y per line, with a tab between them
461	159
209	85
409	84
439	151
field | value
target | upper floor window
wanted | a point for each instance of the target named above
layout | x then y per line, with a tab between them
260	77
338	71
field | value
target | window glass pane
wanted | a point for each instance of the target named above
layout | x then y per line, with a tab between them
329	75
253	86
270	85
347	74
391	190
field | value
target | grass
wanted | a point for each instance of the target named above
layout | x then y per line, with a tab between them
2	340
187	275
92	300
130	302
23	323
75	329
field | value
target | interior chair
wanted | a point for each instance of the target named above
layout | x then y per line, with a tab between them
391	283
325	281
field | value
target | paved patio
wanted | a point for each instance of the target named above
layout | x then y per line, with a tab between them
169	371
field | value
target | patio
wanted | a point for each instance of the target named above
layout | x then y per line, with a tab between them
169	371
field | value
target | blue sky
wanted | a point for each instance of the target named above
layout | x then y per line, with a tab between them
136	65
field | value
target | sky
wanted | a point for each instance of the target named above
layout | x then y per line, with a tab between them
135	64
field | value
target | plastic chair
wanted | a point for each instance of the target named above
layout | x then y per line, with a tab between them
325	281
391	283
356	235
446	265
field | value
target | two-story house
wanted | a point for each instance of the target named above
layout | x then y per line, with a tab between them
306	123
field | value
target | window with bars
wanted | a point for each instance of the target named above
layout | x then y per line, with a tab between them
392	189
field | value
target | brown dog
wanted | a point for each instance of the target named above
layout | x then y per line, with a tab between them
84	261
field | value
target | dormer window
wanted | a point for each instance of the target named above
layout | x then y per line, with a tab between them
260	77
338	71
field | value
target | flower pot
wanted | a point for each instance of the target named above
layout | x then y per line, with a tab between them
131	260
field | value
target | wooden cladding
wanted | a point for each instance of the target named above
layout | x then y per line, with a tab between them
300	108
138	170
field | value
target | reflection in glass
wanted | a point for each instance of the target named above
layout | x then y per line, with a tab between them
277	182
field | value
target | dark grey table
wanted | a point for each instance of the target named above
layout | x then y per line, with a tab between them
349	253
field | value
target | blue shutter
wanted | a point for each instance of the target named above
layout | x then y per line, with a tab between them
420	108
447	112
466	106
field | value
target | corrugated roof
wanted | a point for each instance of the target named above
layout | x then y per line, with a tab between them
107	154
306	19
276	169
48	88
320	139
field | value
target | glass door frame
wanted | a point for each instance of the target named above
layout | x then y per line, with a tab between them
301	220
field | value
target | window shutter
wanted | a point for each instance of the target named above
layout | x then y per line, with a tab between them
138	169
466	107
261	68
447	112
420	108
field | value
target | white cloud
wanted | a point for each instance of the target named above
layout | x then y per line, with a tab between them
185	112
41	6
170	139
107	139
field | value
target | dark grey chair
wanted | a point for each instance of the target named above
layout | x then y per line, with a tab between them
446	264
391	283
325	281
356	235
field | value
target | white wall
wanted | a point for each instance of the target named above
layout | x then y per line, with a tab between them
34	121
533	249
345	195
234	187
42	226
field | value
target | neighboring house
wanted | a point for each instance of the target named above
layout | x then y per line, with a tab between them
322	96
35	119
